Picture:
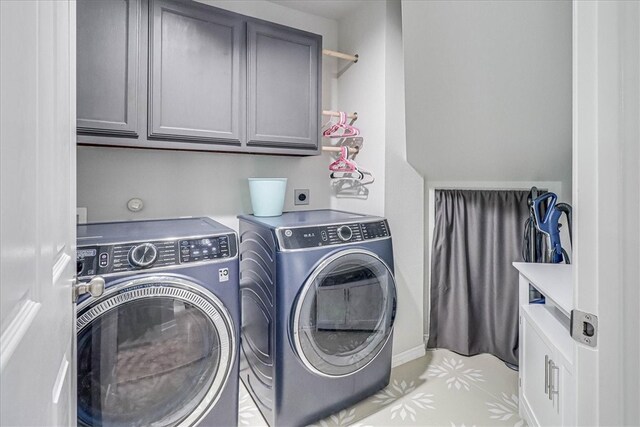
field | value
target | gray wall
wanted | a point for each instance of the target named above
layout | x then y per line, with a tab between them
489	90
186	183
173	183
404	189
488	98
374	87
361	88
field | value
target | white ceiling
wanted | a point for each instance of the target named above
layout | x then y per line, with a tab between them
332	9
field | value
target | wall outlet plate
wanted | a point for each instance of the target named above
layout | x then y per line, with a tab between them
81	215
301	197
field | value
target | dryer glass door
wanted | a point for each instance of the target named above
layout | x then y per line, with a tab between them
152	352
344	313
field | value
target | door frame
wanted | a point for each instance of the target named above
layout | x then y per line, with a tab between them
606	113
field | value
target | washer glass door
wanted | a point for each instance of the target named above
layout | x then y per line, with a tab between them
152	352
344	313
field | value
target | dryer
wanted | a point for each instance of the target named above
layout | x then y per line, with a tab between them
318	302
160	346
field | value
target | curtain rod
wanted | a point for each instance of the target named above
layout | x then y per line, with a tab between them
353	115
484	188
345	56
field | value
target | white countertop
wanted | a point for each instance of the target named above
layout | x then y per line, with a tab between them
554	281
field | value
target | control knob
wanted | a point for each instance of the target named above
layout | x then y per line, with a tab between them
345	233
143	255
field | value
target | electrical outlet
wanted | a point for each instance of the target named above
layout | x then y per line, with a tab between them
81	215
301	197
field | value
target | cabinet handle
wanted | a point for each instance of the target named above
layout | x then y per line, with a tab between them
551	365
546	374
554	387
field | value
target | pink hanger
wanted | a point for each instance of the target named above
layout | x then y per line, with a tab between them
334	128
343	164
348	130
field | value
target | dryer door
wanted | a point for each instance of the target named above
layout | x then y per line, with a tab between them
344	314
152	352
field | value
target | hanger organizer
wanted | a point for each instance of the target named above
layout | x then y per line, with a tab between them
348	180
353	116
354	144
340	55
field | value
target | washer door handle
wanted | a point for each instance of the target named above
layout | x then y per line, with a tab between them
95	287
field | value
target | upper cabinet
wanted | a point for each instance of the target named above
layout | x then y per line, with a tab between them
107	67
283	86
197	80
216	80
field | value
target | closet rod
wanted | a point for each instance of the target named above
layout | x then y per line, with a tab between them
353	115
353	58
337	149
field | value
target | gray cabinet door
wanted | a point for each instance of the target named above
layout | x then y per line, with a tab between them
107	67
284	84
197	82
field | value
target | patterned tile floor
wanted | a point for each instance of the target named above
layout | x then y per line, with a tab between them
440	389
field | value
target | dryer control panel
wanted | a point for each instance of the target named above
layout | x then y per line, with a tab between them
335	234
133	256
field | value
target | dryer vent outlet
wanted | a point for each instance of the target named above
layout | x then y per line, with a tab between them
301	197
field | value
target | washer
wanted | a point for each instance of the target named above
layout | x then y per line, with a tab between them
160	346
318	304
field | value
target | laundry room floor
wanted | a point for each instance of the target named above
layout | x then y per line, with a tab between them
440	389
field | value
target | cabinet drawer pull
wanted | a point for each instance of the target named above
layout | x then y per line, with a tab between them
550	364
546	374
553	387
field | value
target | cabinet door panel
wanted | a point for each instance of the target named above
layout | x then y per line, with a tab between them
197	88
534	372
107	67
534	350
283	88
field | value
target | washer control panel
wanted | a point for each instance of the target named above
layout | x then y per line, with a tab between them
204	249
325	235
118	258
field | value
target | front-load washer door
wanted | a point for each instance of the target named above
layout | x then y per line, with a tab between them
154	351
344	313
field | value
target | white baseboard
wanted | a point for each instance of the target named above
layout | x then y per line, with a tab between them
408	355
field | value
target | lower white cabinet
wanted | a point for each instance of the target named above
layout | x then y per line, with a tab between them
547	386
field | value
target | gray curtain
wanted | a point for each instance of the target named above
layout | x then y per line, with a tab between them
474	287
